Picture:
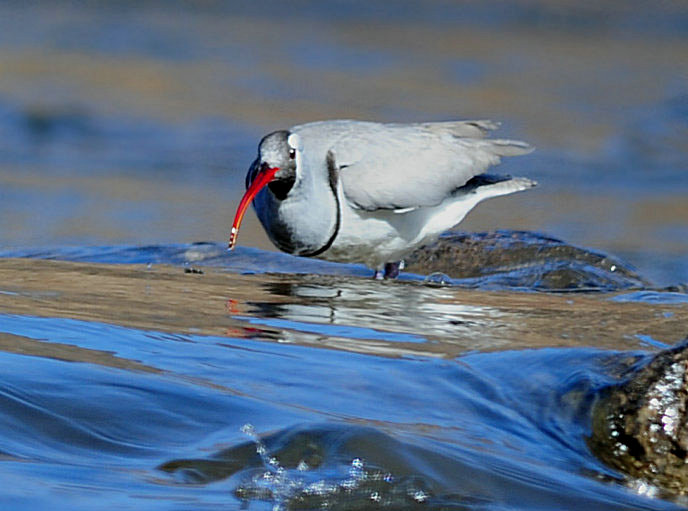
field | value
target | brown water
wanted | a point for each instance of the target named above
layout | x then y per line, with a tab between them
125	124
165	298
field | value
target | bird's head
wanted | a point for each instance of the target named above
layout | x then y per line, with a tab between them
275	167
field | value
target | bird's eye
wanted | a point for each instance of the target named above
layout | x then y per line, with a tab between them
292	153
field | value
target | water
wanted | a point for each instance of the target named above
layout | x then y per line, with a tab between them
128	386
141	370
147	116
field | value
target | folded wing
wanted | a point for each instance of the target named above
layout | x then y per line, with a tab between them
399	166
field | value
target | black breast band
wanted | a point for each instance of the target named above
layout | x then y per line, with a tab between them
333	176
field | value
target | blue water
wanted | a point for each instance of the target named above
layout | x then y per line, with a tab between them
484	431
361	393
155	151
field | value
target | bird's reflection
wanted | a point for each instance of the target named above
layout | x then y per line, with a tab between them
370	315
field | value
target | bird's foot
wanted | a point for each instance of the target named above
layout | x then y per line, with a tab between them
392	270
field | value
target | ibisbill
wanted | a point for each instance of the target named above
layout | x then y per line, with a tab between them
371	193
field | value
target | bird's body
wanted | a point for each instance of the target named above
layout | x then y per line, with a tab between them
354	191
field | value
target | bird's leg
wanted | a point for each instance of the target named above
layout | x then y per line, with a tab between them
392	269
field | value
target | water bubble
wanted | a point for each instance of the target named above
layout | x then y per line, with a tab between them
437	279
420	496
356	471
305	487
269	462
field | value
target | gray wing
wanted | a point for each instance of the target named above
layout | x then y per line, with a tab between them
400	166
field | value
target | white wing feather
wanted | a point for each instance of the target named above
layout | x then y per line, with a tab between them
400	166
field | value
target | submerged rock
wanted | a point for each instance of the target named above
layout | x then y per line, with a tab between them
640	427
521	259
318	467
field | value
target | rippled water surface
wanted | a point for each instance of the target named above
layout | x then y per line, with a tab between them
131	385
140	370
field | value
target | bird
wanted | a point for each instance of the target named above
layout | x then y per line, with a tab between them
370	192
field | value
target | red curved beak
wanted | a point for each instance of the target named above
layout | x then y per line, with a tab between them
262	178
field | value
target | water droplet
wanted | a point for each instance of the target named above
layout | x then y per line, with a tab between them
420	496
437	279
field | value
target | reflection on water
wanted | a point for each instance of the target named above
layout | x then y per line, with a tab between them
384	313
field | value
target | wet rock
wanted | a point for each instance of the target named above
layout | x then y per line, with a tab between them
521	259
318	467
489	260
640	427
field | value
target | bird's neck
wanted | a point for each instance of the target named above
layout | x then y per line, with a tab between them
307	221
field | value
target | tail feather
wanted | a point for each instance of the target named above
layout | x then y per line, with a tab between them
481	187
506	187
506	147
492	185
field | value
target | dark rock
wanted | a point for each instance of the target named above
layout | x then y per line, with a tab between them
640	427
521	259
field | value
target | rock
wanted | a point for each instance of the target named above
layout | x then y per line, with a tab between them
521	259
640	426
